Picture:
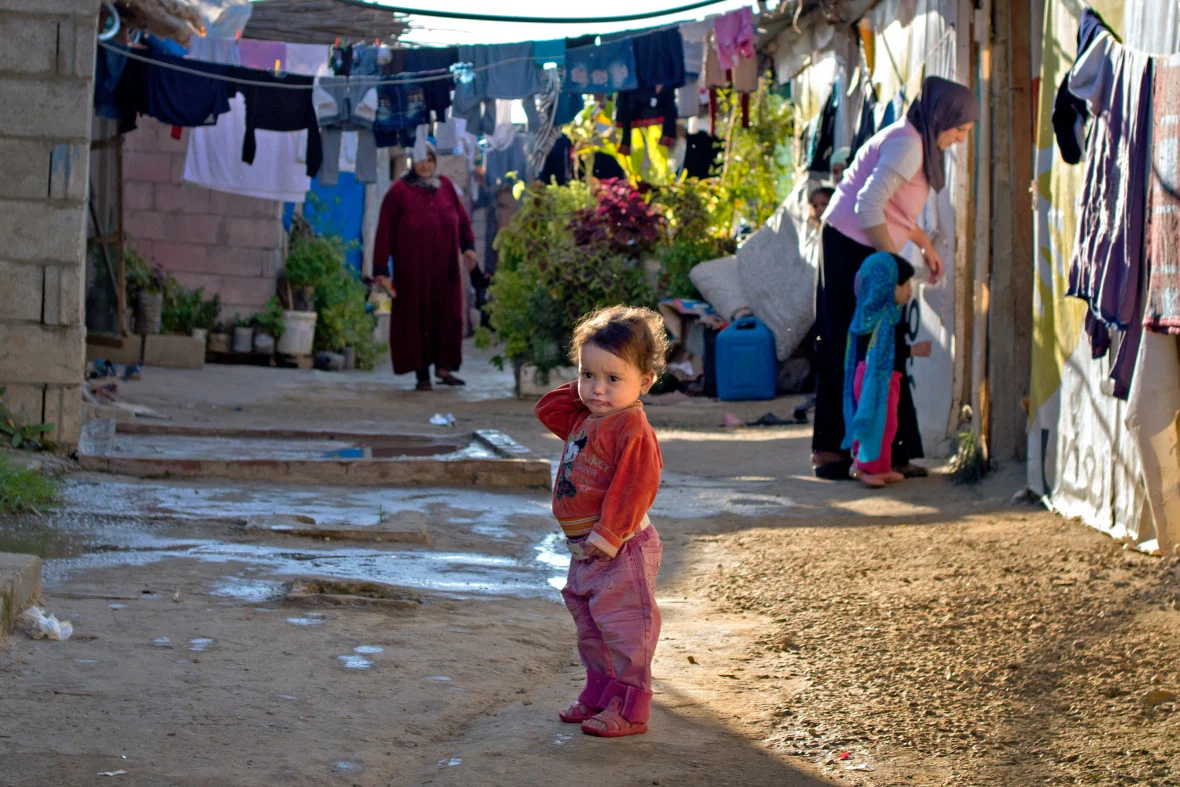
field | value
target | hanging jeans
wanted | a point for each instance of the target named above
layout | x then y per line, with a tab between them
347	104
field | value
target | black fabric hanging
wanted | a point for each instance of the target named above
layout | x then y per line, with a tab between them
702	154
1069	112
823	145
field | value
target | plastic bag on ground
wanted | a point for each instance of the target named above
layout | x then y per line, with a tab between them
38	625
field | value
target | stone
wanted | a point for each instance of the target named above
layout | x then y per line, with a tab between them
20	297
20	586
26	165
47	106
41	354
38	43
174	352
63	296
406	527
40	231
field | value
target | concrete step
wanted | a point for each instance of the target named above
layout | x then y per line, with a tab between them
20	585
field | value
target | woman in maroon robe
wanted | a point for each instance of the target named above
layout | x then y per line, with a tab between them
422	233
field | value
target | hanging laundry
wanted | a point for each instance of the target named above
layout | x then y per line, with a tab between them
819	155
447	134
279	103
1069	112
702	154
558	167
157	88
646	107
608	68
501	71
548	131
692	37
1162	312
434	63
743	78
865	117
498	163
607	167
214	159
734	32
108	70
659	58
549	52
267	56
347	104
365	60
1107	266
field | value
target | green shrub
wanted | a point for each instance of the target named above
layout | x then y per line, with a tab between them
313	259
344	320
270	319
23	490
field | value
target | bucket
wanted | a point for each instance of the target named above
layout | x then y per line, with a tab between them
244	340
148	309
201	334
264	344
298	333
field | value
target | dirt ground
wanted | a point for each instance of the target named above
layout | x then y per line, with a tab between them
814	633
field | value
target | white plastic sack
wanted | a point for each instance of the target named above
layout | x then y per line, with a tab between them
778	282
38	625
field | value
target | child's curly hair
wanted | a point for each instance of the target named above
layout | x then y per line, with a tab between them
636	335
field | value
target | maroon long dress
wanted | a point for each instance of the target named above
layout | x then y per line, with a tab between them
421	234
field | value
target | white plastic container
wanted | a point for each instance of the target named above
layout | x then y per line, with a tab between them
298	333
243	340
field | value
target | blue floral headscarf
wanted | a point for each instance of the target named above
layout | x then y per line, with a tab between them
877	314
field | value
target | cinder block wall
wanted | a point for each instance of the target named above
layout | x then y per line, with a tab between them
46	85
229	244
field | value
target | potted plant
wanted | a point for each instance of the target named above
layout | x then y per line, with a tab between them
311	261
145	288
206	316
243	335
221	338
268	326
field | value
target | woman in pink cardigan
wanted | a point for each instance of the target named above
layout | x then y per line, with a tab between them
876	208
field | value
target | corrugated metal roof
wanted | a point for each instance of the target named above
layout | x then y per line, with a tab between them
321	22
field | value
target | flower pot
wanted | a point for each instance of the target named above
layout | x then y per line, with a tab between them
243	340
264	344
201	333
219	342
298	334
148	308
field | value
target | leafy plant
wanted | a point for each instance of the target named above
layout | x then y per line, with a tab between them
207	313
23	489
17	436
240	321
181	305
313	259
621	219
142	277
344	319
270	319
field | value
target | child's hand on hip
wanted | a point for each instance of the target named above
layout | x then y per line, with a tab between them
594	552
921	349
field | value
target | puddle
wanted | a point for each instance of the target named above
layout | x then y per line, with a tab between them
347	766
439	677
239	448
160	642
117	606
85	661
457	629
353	661
552	552
561	740
287	697
199	644
450	762
306	621
368	649
252	590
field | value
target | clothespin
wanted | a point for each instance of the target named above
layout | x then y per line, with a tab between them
238	37
277	64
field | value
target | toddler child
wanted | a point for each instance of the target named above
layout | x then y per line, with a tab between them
874	367
607	480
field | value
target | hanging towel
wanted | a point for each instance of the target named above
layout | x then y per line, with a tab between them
1162	312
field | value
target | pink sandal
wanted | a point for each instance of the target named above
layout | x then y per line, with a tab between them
578	712
611	723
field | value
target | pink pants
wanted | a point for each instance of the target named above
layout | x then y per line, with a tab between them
883	463
614	607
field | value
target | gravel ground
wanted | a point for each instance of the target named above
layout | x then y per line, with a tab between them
1013	649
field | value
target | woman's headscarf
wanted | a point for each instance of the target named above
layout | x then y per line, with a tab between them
943	105
431	183
877	314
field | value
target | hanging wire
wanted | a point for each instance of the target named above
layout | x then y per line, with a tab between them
543	20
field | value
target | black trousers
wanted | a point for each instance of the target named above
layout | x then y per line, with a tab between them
835	303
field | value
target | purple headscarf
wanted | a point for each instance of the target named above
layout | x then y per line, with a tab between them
942	106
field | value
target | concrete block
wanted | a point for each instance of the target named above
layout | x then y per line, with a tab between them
239	262
85	46
26	167
65	295
38	42
20	297
43	231
20	587
141	140
124	350
147	225
193	229
69	171
177	172
175	352
256	233
25	402
41	354
139	196
40	107
252	292
173	198
144	166
165	143
63	409
183	257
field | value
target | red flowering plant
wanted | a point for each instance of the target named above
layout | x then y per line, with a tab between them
621	219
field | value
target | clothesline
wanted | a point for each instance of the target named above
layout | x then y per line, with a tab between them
409	77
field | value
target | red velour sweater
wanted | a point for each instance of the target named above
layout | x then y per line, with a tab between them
610	469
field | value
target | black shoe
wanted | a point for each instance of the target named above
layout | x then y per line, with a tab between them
451	379
912	471
835	471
